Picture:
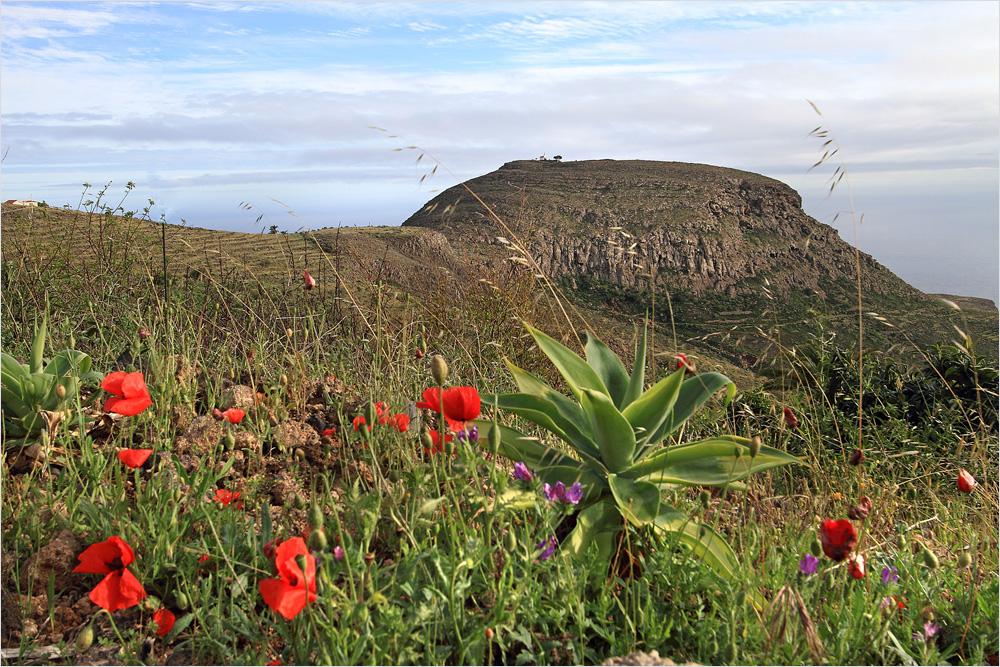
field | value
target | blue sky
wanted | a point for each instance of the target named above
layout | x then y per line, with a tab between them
205	106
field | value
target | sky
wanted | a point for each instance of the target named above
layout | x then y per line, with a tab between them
221	112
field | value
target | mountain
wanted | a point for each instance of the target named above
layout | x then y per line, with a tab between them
744	267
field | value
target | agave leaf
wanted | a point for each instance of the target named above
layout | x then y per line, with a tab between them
608	367
705	542
577	373
638	377
38	347
566	407
710	462
693	394
11	368
518	447
639	502
69	362
546	414
12	402
514	499
612	432
655	405
597	523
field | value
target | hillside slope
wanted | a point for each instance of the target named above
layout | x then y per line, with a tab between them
733	250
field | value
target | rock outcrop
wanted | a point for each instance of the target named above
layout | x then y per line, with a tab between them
696	227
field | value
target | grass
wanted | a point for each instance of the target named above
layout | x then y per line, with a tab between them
434	570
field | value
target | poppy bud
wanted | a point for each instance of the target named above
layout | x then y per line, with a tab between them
964	559
369	557
755	444
966	482
930	560
510	541
857	456
317	539
230	440
85	639
927	613
181	600
494	438
705	497
426	440
439	369
315	518
310	282
299	502
301	561
288	332
790	418
861	511
816	548
217	414
901	543
394	476
144	333
737	451
489	634
60	392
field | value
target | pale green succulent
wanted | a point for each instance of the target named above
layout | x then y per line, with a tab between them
29	390
617	435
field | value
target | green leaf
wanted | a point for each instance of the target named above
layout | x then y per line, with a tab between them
546	414
639	502
705	542
710	462
612	432
10	368
518	447
638	378
608	367
597	523
38	347
577	373
647	413
514	499
693	394
69	362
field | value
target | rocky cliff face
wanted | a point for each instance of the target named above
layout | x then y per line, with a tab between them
695	227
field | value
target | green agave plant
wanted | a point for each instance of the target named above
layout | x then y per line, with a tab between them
28	391
616	430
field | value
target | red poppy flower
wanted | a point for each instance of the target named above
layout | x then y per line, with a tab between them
164	619
381	412
131	396
360	421
329	431
437	446
234	415
856	566
119	589
144	333
225	498
790	418
295	588
203	558
838	538
134	458
310	282
966	482
400	422
460	404
682	362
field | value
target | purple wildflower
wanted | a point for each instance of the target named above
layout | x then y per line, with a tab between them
809	564
890	574
547	547
930	629
474	435
521	472
574	494
338	552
